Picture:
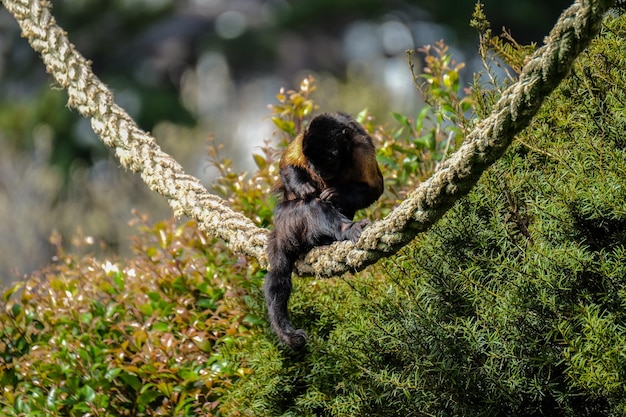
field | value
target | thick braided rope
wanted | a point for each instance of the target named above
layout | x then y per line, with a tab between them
135	149
139	152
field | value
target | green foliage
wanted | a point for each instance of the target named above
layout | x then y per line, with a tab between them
512	305
161	334
249	194
85	337
293	107
408	153
501	52
414	150
499	48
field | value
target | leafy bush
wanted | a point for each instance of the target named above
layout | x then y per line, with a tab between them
86	337
156	335
512	305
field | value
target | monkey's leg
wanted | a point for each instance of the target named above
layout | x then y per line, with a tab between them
297	182
330	223
350	198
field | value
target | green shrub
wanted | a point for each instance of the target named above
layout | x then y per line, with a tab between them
86	337
158	334
514	304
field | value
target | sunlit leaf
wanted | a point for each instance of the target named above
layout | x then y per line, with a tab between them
260	161
402	119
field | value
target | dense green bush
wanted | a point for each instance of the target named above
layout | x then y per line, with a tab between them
87	337
514	304
155	335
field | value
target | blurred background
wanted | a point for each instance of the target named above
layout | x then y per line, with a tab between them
190	70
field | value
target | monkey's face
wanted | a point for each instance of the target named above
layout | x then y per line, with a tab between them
326	144
326	161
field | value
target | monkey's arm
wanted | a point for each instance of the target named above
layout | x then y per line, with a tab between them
349	198
297	182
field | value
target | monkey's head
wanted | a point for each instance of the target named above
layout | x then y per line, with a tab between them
327	142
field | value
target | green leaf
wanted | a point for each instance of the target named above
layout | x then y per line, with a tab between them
86	318
402	119
146	309
362	116
202	343
165	388
188	375
385	160
118	280
12	290
446	107
51	399
398	133
260	161
419	121
466	104
425	141
251	320
16	310
80	409
154	296
87	393
207	303
112	373
284	125
160	327
147	395
131	380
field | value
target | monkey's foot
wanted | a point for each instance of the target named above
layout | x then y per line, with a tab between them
295	339
364	223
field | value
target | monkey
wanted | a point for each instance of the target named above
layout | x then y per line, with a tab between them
333	159
327	173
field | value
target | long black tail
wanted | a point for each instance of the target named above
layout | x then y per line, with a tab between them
277	292
299	225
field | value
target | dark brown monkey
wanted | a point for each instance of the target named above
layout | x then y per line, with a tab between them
326	174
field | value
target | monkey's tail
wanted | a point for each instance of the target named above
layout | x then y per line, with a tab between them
277	291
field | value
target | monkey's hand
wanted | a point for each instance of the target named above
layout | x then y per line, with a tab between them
305	191
352	230
330	194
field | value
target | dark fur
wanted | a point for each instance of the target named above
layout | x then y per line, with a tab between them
327	173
